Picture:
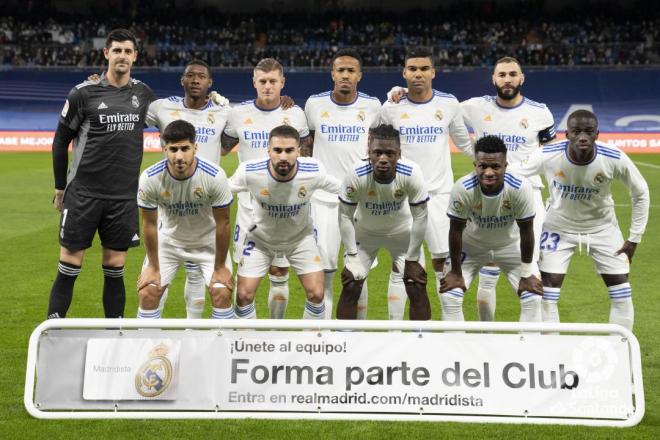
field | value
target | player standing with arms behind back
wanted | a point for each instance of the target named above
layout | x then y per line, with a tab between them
105	120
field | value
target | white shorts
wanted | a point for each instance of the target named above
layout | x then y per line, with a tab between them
243	223
369	245
326	228
257	257
507	258
557	248
170	258
437	229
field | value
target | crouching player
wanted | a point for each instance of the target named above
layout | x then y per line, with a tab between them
484	208
383	206
193	198
281	225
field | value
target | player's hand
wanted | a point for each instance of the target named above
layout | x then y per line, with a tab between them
530	284
413	272
222	276
218	99
396	93
286	102
628	248
452	281
353	264
94	77
150	276
58	199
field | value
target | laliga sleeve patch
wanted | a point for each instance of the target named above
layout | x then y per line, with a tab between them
65	109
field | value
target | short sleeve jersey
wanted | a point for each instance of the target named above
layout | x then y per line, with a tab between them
108	148
424	129
280	209
185	205
383	208
341	132
209	122
491	218
523	128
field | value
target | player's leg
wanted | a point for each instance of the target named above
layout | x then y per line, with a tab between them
278	292
326	228
194	291
78	223
252	268
508	259
614	270
221	299
452	300
351	292
437	235
486	296
396	294
556	250
118	231
149	297
305	258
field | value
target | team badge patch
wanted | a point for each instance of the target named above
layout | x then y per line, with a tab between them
398	193
524	123
599	177
361	115
65	109
438	115
457	204
198	193
302	192
210	118
286	121
135	102
506	204
155	375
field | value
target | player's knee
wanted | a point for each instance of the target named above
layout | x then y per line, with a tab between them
220	297
315	293
244	295
552	279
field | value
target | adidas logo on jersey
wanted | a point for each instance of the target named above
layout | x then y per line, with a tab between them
325	115
248	121
560	173
405	116
488	118
102	106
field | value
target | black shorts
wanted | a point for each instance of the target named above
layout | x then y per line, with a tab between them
116	221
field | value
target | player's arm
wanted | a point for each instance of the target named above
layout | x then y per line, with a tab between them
307	145
227	143
238	181
640	200
151	271
460	135
413	270
528	281
549	133
454	278
220	272
533	165
329	183
352	261
63	137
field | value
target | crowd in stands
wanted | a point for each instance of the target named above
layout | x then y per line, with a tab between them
306	40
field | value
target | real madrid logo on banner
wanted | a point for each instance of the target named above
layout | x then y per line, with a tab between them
155	375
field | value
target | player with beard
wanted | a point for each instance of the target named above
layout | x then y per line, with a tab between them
280	225
523	125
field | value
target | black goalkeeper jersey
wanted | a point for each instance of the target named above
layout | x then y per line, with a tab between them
107	151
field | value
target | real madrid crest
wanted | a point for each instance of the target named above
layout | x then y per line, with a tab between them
398	193
524	123
506	204
439	115
198	193
155	375
286	121
599	177
135	102
210	118
361	116
302	192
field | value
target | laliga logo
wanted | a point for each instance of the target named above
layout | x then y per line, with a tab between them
595	360
155	375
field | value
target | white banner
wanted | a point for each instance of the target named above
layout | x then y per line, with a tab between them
448	373
131	369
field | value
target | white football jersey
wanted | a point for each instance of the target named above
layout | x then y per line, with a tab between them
384	208
209	122
491	218
424	128
523	128
341	132
281	210
185	206
581	195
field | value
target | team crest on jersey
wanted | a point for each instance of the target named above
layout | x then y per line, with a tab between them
198	193
286	121
247	121
560	173
302	192
325	115
599	177
506	204
361	115
488	118
398	193
524	123
165	195
438	115
264	192
135	102
210	118
457	204
405	116
155	375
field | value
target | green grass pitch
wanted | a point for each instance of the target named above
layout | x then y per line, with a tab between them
28	256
